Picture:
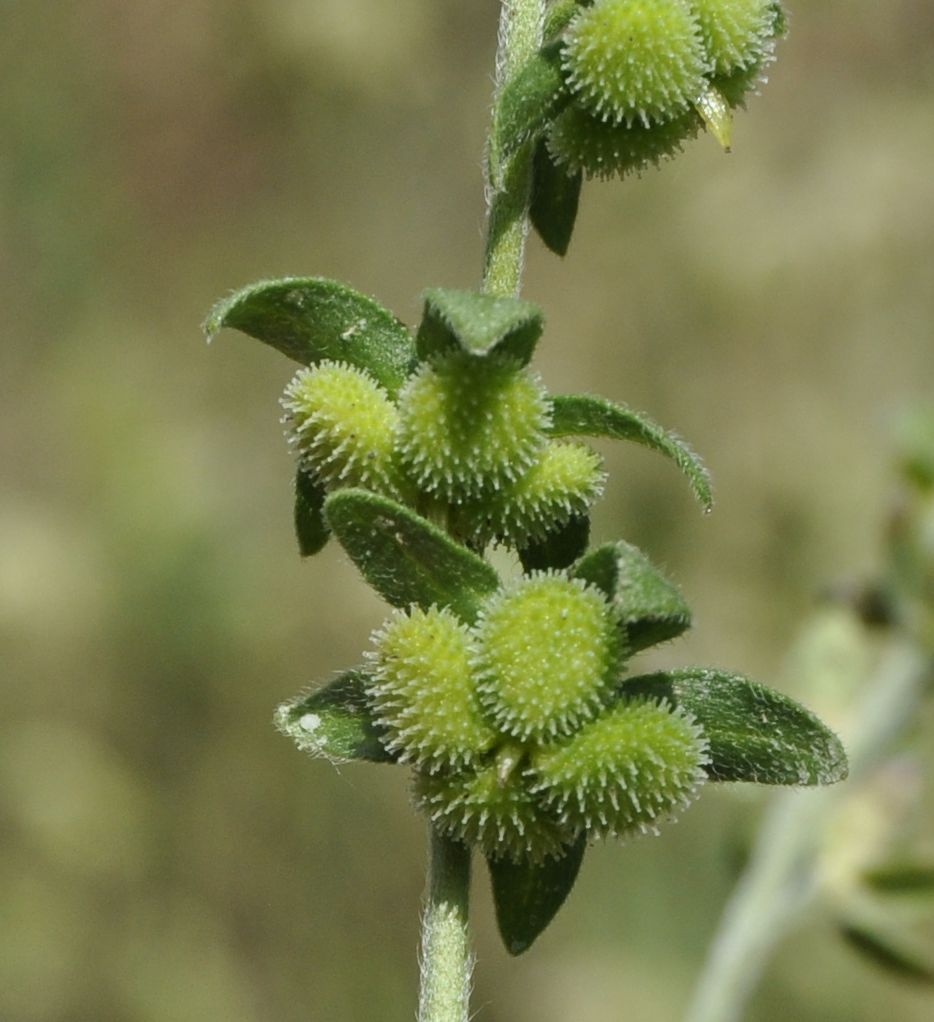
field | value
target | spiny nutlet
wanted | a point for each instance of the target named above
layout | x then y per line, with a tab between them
631	61
565	480
500	815
736	34
423	693
342	424
578	141
548	654
470	424
627	771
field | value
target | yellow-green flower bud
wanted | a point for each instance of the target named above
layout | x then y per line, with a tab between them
470	424
578	141
498	814
564	481
342	424
635	60
548	655
423	690
627	771
736	34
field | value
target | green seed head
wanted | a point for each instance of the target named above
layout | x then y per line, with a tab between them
342	423
548	655
565	480
635	60
625	772
498	814
423	690
737	34
470	424
579	141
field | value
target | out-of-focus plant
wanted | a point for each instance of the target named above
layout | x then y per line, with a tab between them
868	659
508	697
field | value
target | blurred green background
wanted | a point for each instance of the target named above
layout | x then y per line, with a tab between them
164	854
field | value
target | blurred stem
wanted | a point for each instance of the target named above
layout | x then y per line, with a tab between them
782	875
510	179
445	960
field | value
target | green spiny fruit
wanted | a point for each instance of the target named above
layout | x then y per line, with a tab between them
565	481
342	424
423	690
470	424
548	655
624	772
495	812
635	60
579	141
737	34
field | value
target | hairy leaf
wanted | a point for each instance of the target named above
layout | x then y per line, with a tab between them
530	100
651	608
311	529
407	559
334	721
311	318
755	733
908	879
890	951
583	415
555	198
478	324
527	896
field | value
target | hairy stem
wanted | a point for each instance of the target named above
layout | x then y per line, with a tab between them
510	179
782	875
446	961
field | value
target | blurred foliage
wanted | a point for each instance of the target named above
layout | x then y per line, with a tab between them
165	854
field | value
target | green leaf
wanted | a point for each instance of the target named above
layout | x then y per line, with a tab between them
530	100
559	15
559	549
334	721
890	951
310	527
478	324
755	733
906	878
651	608
310	319
405	558
527	896
555	197
583	415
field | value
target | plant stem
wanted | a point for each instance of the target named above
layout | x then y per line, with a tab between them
510	179
446	961
783	872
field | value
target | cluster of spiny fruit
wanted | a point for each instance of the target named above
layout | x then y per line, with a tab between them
643	76
513	721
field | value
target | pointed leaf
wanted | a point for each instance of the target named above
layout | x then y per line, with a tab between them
890	951
405	558
530	100
907	879
527	896
651	608
559	549
310	319
755	733
583	415
311	529
478	324
334	721
555	198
